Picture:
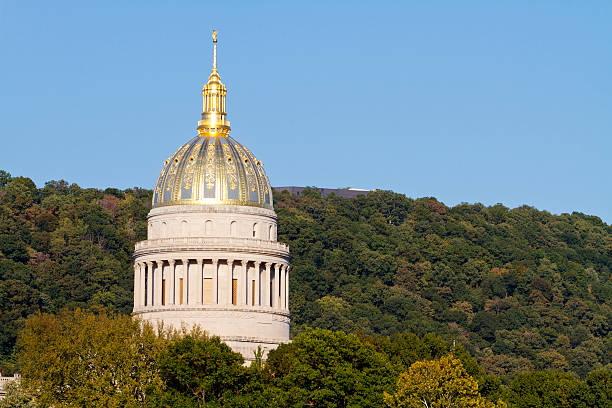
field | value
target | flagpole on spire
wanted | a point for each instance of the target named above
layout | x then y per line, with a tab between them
214	36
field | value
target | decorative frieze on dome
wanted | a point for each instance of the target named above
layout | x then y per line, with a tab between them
213	170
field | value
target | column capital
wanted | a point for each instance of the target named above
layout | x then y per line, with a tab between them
185	261
257	264
172	262
199	261
215	261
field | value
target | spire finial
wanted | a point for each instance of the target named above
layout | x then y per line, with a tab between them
214	117
214	37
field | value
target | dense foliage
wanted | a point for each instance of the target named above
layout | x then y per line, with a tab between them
100	360
80	359
520	289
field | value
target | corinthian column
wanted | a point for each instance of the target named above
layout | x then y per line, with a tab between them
186	283
170	295
149	283
198	284
157	282
257	300
136	285
215	277
230	282
281	274
287	288
243	283
265	293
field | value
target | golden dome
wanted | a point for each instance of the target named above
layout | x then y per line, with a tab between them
213	168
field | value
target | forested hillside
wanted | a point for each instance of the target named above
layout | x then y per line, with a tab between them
521	289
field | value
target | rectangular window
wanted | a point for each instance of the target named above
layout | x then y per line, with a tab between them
253	292
180	291
208	291
234	291
163	292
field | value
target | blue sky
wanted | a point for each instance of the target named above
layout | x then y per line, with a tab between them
504	101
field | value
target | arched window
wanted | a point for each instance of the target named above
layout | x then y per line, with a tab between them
164	230
255	230
270	233
233	229
184	228
208	227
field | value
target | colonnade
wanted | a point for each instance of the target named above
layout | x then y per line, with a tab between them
222	282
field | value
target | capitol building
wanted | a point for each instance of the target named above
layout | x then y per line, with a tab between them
211	257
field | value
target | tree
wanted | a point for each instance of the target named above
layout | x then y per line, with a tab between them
596	391
330	369
85	359
198	369
543	389
442	383
17	397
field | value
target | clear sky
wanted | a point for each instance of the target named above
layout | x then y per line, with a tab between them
471	101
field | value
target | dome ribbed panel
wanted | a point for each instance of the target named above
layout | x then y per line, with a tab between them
213	170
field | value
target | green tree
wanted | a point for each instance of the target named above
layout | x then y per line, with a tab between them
198	369
543	389
84	359
330	369
442	383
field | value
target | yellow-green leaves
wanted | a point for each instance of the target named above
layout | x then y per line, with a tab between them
442	383
82	359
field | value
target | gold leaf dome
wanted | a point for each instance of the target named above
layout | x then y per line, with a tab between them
213	168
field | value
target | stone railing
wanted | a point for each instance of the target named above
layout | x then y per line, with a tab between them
4	381
210	244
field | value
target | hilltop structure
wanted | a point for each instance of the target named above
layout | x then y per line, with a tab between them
340	192
212	258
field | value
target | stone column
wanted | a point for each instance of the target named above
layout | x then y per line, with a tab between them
170	281
287	288
281	275
142	282
257	301
230	283
265	293
215	272
185	281
199	283
157	282
243	284
274	281
136	285
149	283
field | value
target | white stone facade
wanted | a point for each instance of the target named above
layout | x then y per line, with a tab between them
6	380
219	267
